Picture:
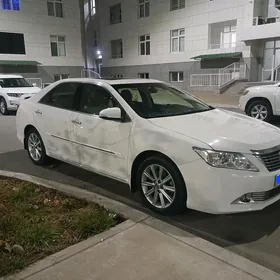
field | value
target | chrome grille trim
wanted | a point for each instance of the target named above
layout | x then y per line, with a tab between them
269	157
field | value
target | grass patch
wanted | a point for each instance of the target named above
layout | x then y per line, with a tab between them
36	222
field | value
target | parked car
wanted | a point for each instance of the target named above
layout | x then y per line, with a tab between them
261	102
12	87
172	148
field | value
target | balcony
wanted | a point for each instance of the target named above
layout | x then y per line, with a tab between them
262	28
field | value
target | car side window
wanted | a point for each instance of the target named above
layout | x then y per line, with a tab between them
61	96
93	99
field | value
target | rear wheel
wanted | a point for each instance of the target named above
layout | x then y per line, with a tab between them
35	147
161	186
3	106
261	110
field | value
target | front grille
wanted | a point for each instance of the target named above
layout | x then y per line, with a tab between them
270	158
263	196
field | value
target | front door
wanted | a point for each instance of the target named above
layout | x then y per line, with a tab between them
52	116
271	64
102	145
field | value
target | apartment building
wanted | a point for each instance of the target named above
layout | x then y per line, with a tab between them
172	39
41	38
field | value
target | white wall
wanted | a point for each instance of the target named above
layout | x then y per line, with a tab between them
32	20
195	17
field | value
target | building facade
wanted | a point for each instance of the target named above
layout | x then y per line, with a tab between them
172	39
41	38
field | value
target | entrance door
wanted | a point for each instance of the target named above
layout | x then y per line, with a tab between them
271	61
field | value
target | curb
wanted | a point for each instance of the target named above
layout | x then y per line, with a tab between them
134	216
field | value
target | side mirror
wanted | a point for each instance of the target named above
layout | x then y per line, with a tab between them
111	114
34	85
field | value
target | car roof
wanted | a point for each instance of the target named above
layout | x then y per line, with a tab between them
9	76
113	81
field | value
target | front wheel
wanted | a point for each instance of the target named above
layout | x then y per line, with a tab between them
3	106
35	147
161	186
261	110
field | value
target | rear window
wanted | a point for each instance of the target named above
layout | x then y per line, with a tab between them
14	83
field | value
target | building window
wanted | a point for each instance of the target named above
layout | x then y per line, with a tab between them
228	37
116	48
177	4
12	43
145	45
178	40
55	8
58	77
58	46
95	43
116	14
144	8
143	75
176	76
13	5
92	7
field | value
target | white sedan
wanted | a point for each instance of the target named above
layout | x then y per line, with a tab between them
173	149
261	102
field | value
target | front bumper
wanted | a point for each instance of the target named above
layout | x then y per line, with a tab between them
216	190
13	103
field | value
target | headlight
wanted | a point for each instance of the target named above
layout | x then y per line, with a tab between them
245	92
226	159
14	94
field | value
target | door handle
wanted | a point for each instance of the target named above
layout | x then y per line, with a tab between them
76	122
38	112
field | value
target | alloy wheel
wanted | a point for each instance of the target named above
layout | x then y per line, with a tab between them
2	107
158	186
259	112
34	147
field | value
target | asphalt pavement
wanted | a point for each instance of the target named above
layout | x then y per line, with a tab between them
255	236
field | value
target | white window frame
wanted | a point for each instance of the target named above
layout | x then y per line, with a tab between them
111	7
92	7
178	76
143	75
177	37
143	3
231	31
180	4
55	39
118	55
144	42
54	8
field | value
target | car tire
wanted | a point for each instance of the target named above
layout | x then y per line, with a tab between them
3	107
35	147
173	192
260	109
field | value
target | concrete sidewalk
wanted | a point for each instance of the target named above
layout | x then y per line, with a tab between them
222	100
143	247
134	251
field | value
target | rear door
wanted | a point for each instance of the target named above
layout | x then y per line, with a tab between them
52	116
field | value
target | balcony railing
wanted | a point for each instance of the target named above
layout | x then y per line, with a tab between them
262	20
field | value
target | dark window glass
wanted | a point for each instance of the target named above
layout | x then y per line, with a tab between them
61	96
59	10
14	83
159	100
54	50
94	99
50	6
147	9
116	14
148	48
12	43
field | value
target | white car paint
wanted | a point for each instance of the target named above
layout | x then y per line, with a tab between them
269	92
110	148
21	92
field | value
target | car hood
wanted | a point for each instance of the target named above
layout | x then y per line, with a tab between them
224	130
24	90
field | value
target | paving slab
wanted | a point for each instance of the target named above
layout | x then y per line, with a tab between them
141	252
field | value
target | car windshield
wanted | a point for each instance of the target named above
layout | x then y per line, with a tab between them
14	83
152	100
